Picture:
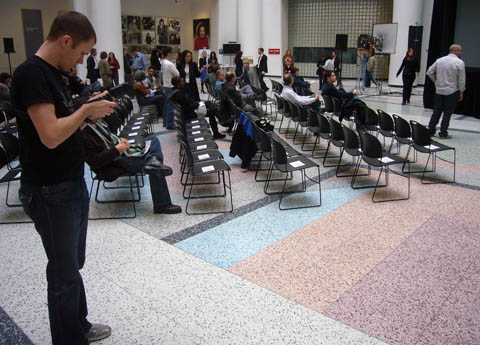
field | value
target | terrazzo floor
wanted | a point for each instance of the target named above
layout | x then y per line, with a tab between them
348	272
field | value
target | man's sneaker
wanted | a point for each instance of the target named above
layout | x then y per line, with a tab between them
445	136
98	332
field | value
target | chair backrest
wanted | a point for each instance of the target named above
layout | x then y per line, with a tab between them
371	146
328	104
385	121
265	144
336	130
323	124
371	117
337	105
9	148
287	107
278	151
350	139
402	127
279	102
302	113
312	118
420	134
188	153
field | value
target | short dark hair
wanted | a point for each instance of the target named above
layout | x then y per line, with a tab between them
328	74
261	49
176	80
167	50
103	55
93	50
74	24
287	79
4	76
229	77
150	67
294	70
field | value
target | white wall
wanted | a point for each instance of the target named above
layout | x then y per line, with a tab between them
11	25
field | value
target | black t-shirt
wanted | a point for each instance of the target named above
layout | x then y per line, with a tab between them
37	82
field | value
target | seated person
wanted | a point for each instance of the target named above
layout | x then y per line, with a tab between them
231	91
348	99
299	81
212	74
75	83
189	105
5	80
247	75
220	80
111	157
150	81
143	94
290	95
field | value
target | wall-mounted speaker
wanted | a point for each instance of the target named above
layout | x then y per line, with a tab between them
341	42
8	45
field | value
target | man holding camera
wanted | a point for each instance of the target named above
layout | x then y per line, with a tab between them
53	190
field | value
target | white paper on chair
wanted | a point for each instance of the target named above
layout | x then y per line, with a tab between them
201	147
297	164
386	159
141	118
208	168
18	175
137	123
431	147
199	139
196	132
136	127
132	134
195	127
146	114
205	156
196	121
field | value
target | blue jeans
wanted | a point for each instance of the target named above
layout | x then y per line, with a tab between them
158	185
167	108
60	214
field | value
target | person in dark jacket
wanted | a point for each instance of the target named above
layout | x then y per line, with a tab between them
188	70
238	64
321	71
348	99
202	62
127	69
155	59
262	68
231	91
410	72
189	105
93	74
108	156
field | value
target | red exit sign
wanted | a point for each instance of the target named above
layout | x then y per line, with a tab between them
273	51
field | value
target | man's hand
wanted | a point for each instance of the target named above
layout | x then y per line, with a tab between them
125	141
99	109
460	96
97	94
121	148
317	96
355	92
263	72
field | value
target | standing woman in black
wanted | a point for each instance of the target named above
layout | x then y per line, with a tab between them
202	63
410	70
156	64
188	70
238	64
213	58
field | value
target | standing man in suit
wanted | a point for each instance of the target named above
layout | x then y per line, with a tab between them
92	67
337	68
262	68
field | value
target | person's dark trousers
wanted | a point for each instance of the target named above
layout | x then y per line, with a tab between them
157	100
128	78
167	108
115	80
263	86
60	214
315	106
408	80
158	184
445	104
92	80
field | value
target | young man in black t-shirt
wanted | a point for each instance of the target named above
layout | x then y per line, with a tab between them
53	191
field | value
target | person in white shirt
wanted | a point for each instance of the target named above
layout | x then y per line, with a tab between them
168	71
448	74
291	96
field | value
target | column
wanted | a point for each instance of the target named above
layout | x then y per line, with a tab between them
249	24
105	17
227	25
405	13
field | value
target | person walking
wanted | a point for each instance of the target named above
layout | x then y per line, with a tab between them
448	74
52	186
262	68
410	71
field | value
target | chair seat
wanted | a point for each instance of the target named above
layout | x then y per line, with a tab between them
434	146
296	163
203	168
11	175
204	145
386	160
314	130
206	155
198	132
199	138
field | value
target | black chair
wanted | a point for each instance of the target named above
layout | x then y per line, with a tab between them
329	107
374	155
323	131
196	170
288	165
386	126
371	120
9	150
422	142
313	128
403	135
280	106
302	122
351	145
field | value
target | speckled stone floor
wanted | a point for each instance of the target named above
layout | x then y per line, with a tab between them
348	272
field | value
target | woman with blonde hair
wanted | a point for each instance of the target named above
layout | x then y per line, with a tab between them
105	70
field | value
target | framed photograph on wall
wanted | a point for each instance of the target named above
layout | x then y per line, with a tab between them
162	30
173	31
148	37
148	23
201	33
385	36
